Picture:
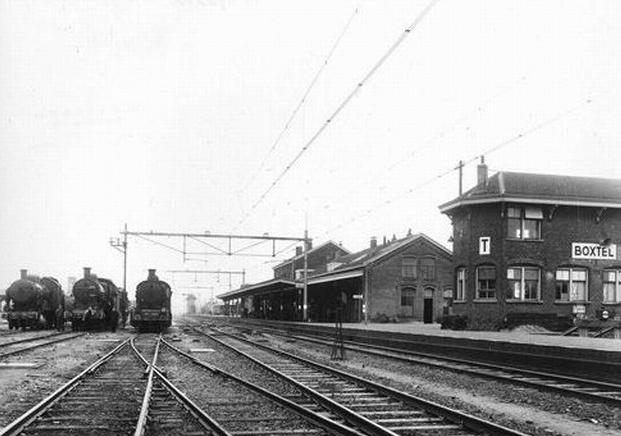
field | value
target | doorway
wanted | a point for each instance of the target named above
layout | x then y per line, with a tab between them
428	306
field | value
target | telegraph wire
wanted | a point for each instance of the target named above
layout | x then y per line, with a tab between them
344	103
445	173
418	149
301	102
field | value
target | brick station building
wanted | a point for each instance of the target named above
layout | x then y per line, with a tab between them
534	247
409	278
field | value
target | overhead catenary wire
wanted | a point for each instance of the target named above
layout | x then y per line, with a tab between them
340	107
445	173
301	102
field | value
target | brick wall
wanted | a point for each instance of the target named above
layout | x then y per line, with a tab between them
560	227
386	282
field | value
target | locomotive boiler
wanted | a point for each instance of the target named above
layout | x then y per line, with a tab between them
95	305
152	312
33	302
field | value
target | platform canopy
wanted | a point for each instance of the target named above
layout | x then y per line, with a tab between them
268	286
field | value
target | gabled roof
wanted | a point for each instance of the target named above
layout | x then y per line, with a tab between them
312	250
267	285
363	258
541	189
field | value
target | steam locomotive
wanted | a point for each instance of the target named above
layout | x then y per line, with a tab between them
96	303
152	312
34	302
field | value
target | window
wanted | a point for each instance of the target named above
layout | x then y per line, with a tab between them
299	273
524	222
612	286
407	297
524	283
460	291
427	269
408	267
571	284
486	283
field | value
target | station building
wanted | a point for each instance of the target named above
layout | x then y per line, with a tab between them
536	247
405	279
281	297
409	278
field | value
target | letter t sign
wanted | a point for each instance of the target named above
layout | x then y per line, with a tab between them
484	245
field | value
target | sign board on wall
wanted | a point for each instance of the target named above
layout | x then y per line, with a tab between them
484	245
587	250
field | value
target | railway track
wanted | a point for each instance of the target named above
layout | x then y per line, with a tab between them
578	387
246	409
26	344
373	408
113	397
126	393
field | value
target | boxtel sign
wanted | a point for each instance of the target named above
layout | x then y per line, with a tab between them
585	250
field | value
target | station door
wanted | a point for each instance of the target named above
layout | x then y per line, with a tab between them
428	306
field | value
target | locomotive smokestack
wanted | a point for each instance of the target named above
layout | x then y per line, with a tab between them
87	272
23	273
151	274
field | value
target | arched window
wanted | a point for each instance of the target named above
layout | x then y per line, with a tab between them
407	297
486	282
460	291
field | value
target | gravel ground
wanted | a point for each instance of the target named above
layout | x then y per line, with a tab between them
224	399
230	362
20	389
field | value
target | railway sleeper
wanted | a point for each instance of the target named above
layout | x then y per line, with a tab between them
68	427
403	413
297	432
255	419
426	427
87	417
408	420
362	395
358	400
375	407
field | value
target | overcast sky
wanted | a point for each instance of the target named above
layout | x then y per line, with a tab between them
180	116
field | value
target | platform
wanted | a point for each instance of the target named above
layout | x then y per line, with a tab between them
518	336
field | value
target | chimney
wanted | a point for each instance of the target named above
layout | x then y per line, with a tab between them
151	274
87	272
373	242
482	172
23	273
298	250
